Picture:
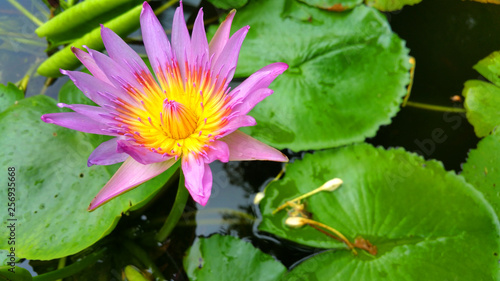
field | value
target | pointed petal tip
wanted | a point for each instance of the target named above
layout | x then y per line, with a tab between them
94	205
46	119
285	158
146	10
200	199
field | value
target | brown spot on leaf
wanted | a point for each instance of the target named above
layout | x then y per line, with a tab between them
54	134
364	244
336	8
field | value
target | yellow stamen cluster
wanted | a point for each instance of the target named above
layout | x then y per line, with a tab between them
175	117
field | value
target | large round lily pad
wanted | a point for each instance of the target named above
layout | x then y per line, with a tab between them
424	221
228	258
347	74
54	186
482	169
482	98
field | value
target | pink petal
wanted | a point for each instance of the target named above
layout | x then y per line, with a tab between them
155	40
199	42
77	121
225	65
121	53
130	175
181	43
260	79
93	112
120	77
105	154
198	178
218	150
93	87
140	154
236	123
221	36
242	147
90	64
252	100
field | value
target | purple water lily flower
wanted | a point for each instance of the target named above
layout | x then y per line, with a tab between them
185	112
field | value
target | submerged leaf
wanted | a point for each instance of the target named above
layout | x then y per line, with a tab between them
410	209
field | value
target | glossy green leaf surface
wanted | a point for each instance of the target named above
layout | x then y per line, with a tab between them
482	98
481	102
425	221
390	5
228	4
482	169
333	5
54	186
9	94
19	274
347	73
489	67
227	258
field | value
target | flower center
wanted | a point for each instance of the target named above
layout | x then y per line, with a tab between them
178	121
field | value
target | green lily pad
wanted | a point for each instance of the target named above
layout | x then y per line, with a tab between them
424	221
54	186
228	4
482	169
8	273
391	5
333	5
482	98
9	95
489	67
481	105
346	78
228	258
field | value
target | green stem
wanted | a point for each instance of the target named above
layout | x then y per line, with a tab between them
435	107
139	253
61	265
72	268
25	12
165	6
176	212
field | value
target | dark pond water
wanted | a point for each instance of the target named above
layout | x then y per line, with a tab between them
446	37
